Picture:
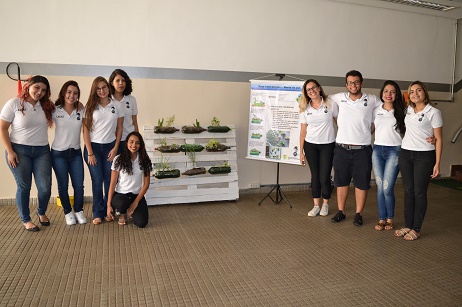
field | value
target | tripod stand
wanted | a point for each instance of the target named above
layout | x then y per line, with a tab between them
279	193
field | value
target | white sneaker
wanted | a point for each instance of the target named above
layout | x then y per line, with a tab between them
324	210
80	217
70	218
314	211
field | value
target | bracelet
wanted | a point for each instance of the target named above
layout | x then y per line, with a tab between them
91	155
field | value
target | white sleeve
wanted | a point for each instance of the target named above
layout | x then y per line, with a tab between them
7	113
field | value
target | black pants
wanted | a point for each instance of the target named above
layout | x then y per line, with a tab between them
416	168
319	158
121	202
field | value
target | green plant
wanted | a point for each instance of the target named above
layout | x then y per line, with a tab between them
213	143
197	124
191	152
215	122
162	164
170	121
163	142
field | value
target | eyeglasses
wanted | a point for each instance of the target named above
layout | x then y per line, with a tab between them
357	82
101	89
312	89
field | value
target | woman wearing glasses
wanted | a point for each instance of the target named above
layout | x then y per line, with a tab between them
102	131
317	142
389	130
419	160
121	88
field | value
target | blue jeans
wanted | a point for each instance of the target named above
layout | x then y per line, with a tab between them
65	163
386	168
32	160
100	175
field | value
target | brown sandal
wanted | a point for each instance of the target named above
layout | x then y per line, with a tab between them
389	226
380	226
109	218
122	221
97	221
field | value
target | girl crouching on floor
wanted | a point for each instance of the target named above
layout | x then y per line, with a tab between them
130	177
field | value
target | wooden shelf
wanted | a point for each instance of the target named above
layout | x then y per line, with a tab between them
197	188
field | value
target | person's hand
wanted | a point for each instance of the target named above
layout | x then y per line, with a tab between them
131	209
431	140
92	160
13	159
112	154
109	212
302	160
436	171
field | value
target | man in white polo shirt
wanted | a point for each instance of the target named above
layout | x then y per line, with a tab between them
353	151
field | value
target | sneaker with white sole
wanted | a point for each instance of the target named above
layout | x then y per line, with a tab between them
80	217
314	211
70	218
324	210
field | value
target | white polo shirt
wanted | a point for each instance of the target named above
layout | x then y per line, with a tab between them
355	118
385	130
105	123
419	126
129	108
68	128
28	129
129	183
320	122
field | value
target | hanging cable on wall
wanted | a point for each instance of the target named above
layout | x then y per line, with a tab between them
18	79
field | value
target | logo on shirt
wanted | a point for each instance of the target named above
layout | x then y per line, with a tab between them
78	115
309	113
127	104
365	102
325	109
421	117
59	116
112	109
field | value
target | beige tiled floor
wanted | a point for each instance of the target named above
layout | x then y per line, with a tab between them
235	254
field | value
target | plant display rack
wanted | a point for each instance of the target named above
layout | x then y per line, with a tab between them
197	188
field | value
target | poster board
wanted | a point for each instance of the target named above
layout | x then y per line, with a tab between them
274	129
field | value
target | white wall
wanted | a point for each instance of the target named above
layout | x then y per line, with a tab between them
292	37
314	37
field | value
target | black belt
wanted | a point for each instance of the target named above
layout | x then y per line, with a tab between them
351	147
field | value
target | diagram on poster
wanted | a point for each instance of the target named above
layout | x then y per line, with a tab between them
273	122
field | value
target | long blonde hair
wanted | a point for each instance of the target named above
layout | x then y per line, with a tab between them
305	99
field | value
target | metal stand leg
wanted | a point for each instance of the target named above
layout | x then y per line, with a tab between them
279	193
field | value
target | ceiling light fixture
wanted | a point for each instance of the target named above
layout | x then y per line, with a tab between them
423	4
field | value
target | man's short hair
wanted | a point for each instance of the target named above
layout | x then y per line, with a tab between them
354	73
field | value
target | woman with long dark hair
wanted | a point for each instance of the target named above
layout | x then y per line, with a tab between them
121	89
27	151
389	130
419	160
317	142
102	131
131	172
66	152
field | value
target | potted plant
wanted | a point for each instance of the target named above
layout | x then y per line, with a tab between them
164	169
168	128
220	168
213	146
215	126
195	128
167	148
191	147
191	150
